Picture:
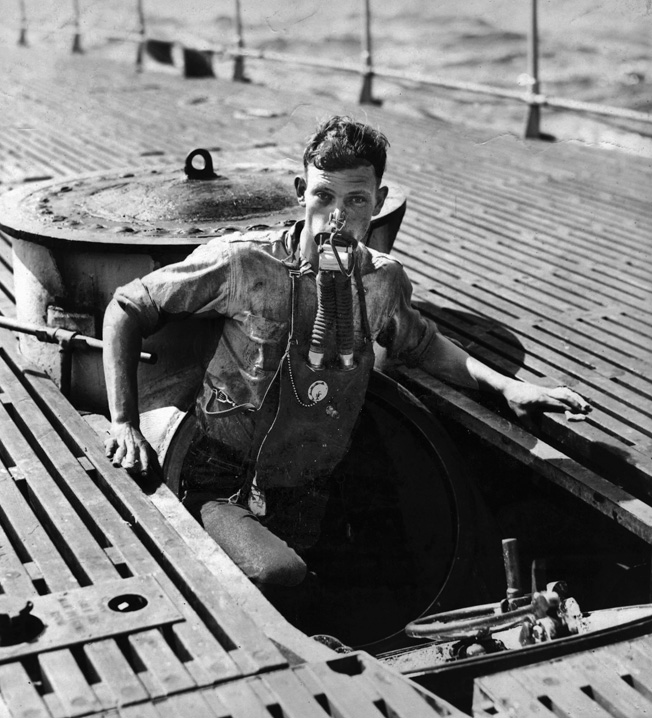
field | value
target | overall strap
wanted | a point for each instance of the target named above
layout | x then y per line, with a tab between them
363	303
294	300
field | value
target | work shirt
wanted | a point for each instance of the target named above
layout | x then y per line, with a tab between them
244	279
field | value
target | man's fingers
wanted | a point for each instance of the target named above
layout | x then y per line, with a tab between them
571	400
110	445
143	458
118	455
131	456
127	448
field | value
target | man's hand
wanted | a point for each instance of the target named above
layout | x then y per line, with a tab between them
128	448
525	399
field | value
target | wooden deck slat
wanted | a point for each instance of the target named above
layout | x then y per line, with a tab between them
212	658
485	190
296	700
194	705
255	652
28	531
14	578
240	701
213	662
19	693
398	697
522	166
603	495
68	683
509	697
450	214
608	687
344	696
522	245
115	672
488	206
559	271
520	187
76	543
161	663
641	669
524	286
563	692
547	356
142	710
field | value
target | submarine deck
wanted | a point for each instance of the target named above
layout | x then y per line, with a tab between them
533	255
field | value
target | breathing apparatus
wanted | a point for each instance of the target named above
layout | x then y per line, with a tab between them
334	294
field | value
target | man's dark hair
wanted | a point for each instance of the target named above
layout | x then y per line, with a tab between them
342	143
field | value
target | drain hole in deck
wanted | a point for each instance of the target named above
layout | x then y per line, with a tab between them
545	701
127	602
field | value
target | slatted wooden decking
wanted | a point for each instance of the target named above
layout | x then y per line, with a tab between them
603	683
76	532
536	256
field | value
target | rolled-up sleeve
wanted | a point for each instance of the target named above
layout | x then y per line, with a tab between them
200	284
415	340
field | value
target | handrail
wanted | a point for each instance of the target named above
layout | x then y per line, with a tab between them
438	81
532	96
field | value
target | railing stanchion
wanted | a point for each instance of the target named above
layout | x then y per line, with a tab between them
140	54
533	121
366	93
22	40
238	61
76	40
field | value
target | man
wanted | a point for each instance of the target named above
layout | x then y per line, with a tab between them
301	309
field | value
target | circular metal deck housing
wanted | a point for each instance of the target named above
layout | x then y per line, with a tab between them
76	240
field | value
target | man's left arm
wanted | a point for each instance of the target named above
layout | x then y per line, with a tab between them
417	341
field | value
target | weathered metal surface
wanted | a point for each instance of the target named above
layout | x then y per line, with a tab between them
166	206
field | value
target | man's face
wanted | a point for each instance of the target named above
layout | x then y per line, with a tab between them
354	192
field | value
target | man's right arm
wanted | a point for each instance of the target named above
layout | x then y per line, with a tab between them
126	446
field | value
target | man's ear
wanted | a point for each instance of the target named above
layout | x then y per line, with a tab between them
381	196
300	189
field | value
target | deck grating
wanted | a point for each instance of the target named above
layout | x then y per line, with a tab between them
535	256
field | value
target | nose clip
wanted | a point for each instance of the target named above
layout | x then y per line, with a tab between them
337	220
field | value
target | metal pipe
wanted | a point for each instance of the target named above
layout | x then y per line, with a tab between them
366	93
533	121
238	60
22	40
76	41
561	103
512	568
140	54
64	337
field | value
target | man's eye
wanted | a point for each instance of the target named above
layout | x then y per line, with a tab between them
358	200
323	197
